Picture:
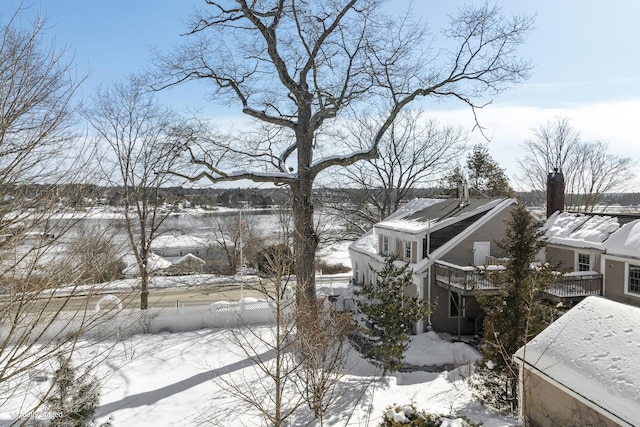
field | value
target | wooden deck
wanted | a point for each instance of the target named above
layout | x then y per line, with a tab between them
574	287
466	280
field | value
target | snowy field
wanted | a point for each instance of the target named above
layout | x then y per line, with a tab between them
180	380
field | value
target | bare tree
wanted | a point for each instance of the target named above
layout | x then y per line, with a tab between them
414	153
238	237
141	135
41	164
270	387
298	69
597	173
323	350
590	171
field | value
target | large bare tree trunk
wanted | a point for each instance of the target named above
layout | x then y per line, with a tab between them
305	244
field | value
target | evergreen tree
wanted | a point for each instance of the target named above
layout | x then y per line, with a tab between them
516	314
390	315
75	398
485	175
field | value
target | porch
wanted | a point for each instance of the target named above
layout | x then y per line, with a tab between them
465	280
573	287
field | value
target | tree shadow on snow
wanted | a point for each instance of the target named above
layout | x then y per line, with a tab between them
153	396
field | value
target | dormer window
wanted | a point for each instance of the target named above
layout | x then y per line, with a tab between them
385	245
407	250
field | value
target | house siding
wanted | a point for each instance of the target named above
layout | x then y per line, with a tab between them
615	282
545	404
562	256
492	231
440	320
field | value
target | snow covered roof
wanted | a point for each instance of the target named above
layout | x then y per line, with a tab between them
156	262
580	230
189	258
421	214
594	231
626	241
177	242
367	243
593	351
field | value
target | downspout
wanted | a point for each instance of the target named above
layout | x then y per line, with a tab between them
521	391
460	308
427	255
603	272
420	289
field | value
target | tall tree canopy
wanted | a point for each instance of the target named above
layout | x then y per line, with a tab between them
481	173
414	154
298	68
515	314
141	136
590	171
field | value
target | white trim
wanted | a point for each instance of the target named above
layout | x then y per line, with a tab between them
627	266
576	263
626	261
385	239
464	306
406	245
455	241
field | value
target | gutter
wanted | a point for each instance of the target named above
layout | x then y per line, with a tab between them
573	393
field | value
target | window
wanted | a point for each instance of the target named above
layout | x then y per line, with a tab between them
407	251
456	309
584	262
634	279
385	245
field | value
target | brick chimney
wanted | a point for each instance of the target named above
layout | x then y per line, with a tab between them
555	192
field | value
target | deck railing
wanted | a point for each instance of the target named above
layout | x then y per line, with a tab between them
574	285
469	278
466	278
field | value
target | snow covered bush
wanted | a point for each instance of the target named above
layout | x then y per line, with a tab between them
409	416
75	398
390	315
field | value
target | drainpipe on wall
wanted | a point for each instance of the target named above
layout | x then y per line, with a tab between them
427	255
429	327
420	289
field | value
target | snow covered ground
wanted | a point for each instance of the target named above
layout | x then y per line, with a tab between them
172	379
182	379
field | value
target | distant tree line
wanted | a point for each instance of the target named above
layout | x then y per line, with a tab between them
84	195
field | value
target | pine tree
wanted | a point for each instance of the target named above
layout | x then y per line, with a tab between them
516	314
390	315
75	398
485	175
482	173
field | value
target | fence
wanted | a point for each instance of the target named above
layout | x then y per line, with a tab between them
123	323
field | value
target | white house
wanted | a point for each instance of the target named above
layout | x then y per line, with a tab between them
176	246
155	263
442	240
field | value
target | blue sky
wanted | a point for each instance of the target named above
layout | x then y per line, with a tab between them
585	54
